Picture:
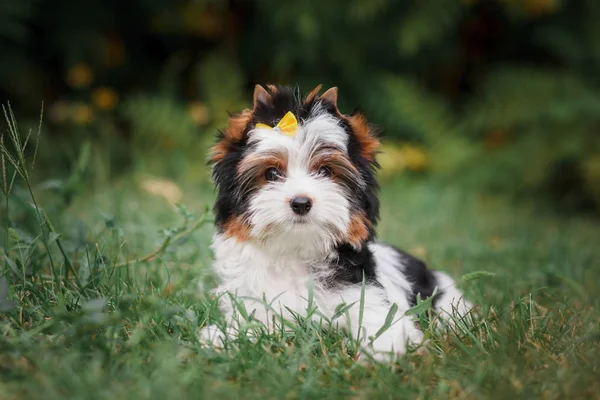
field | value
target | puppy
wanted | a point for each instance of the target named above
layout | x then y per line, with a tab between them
296	212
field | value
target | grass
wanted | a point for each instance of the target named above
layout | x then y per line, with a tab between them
107	302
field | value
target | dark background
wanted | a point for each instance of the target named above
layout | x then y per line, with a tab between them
501	95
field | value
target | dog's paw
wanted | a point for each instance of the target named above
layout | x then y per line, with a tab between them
398	340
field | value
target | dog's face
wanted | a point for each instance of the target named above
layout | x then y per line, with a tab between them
302	191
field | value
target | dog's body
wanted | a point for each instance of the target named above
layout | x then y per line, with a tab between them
296	214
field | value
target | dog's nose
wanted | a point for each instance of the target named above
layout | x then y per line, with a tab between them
301	205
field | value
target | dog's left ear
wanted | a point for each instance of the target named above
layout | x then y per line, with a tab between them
330	96
367	140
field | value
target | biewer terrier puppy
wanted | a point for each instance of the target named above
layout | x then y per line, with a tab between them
296	212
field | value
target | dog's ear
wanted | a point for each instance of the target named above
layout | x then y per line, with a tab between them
313	94
272	89
331	96
238	123
367	140
261	96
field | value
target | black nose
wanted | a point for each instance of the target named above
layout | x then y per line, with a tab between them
301	205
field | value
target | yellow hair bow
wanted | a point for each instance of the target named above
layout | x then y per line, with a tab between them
287	126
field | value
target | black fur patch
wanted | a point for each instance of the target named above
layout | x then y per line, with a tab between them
369	202
284	100
224	174
421	278
351	264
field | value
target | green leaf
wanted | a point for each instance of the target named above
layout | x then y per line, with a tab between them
422	305
341	309
477	275
12	266
14	236
388	320
246	326
183	211
52	237
361	309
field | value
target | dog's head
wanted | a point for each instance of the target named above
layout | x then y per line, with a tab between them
295	174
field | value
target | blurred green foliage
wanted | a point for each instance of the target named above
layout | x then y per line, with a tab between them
508	86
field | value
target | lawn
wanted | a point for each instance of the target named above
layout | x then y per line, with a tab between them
101	325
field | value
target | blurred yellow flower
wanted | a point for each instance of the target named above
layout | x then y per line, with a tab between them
164	188
80	76
395	158
105	98
419	251
82	113
199	112
415	158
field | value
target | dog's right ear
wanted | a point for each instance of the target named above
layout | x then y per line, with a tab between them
261	96
313	94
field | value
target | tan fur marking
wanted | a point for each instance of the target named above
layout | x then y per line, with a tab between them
335	160
272	89
257	164
233	133
358	230
236	227
368	143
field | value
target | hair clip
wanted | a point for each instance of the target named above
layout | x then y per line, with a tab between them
287	126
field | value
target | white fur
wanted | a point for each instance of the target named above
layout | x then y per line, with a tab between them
450	301
271	217
319	128
255	275
322	127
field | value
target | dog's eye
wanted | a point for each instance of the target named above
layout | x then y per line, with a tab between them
272	174
324	172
